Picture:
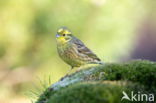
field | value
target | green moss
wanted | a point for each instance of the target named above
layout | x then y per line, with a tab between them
90	93
143	72
90	86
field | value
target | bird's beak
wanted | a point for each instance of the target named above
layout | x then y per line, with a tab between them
57	35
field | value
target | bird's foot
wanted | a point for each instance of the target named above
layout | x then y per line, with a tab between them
64	77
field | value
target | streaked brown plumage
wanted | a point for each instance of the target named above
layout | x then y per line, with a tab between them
73	51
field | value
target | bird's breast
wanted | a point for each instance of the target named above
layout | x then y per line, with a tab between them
63	49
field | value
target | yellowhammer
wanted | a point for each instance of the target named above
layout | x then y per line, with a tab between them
73	51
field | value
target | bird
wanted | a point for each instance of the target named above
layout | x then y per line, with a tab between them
73	51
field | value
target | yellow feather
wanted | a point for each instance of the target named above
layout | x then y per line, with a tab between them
61	40
60	30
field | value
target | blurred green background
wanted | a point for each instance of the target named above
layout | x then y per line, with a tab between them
114	29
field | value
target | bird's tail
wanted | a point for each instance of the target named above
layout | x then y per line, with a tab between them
97	62
101	62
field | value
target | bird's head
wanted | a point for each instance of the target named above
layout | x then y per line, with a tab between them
63	35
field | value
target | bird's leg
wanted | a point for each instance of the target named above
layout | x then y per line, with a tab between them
67	73
78	69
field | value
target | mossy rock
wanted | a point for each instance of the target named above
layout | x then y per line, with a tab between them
103	84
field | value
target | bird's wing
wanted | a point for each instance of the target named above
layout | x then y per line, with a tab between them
82	49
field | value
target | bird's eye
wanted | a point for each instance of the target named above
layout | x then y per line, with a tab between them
64	34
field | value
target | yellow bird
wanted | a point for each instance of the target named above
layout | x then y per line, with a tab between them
73	51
